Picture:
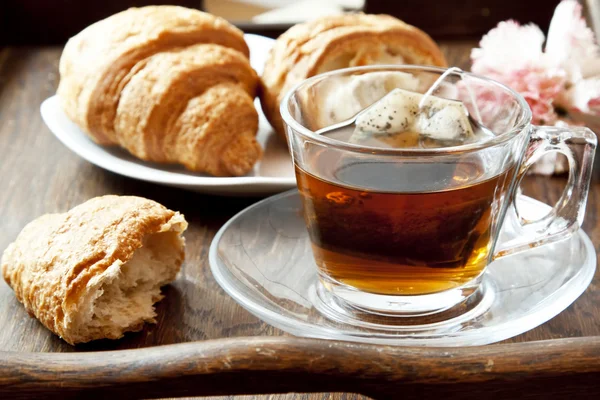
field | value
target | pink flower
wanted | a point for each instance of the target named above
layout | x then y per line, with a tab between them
572	46
560	76
571	43
538	85
523	68
507	47
566	74
582	97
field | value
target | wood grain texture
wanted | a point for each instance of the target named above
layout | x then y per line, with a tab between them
39	175
292	364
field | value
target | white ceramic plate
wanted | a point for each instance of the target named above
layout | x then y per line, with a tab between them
274	173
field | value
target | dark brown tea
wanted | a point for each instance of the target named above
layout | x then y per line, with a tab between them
398	237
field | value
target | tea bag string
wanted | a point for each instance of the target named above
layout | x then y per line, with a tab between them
440	80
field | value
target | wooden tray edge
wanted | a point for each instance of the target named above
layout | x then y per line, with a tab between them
258	365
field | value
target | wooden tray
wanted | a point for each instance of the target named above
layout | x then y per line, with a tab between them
204	343
565	368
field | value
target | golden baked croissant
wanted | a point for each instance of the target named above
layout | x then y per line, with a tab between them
335	42
169	84
95	271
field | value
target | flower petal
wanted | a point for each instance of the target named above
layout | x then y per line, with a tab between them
497	50
582	97
571	43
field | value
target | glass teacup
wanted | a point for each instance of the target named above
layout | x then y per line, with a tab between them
408	230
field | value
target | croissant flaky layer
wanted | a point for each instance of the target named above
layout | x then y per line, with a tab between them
95	271
169	84
192	106
335	42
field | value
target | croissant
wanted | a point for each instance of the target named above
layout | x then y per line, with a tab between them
335	42
95	271
168	84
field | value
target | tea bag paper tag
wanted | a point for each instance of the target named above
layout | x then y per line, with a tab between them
399	111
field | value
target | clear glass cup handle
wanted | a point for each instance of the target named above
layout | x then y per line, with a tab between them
578	145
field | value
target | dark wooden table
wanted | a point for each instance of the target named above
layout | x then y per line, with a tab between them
39	175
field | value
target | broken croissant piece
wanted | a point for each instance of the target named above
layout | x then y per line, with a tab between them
95	271
168	84
336	42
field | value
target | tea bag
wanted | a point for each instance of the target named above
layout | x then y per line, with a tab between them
418	117
405	118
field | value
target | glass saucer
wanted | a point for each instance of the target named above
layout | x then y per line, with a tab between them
262	258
